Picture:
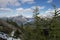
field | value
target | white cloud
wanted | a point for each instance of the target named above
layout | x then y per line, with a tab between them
28	10
49	13
5	10
49	1
23	11
28	1
4	3
40	7
19	10
58	9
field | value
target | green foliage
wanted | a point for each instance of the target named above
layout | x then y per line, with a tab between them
17	34
55	26
6	30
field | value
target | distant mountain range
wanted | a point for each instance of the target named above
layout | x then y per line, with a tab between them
19	19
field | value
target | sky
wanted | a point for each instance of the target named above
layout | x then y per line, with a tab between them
11	8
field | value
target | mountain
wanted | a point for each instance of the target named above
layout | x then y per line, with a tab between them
19	19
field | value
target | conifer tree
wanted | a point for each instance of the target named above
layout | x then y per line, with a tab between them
54	32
